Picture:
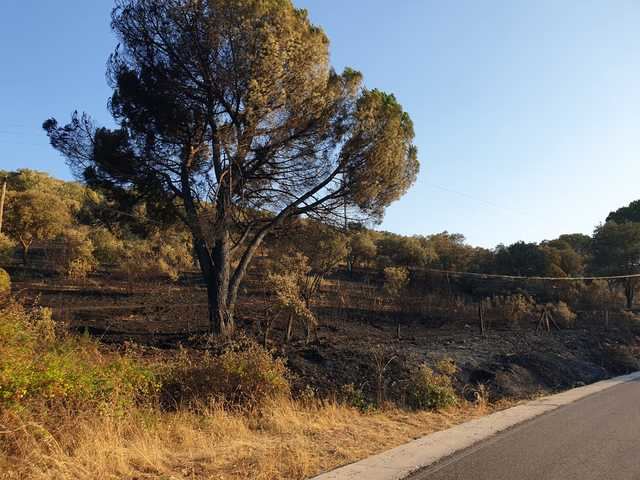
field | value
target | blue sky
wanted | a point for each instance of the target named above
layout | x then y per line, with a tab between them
527	113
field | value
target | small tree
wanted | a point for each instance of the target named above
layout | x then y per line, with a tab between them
616	251
382	359
396	280
451	251
403	251
75	259
324	249
362	249
521	258
564	259
34	215
287	283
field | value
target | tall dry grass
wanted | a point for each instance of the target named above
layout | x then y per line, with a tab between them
71	411
285	440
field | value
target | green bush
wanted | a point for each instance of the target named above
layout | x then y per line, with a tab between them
355	397
108	249
431	390
37	365
396	280
246	376
5	283
160	256
7	249
74	258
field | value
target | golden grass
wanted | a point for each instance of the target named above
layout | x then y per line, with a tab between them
287	440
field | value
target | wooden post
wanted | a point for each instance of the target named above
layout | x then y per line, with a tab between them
267	327
552	320
2	197
543	323
481	317
545	314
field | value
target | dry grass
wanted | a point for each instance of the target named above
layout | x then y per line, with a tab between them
287	440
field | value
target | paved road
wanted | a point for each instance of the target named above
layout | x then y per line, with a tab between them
596	438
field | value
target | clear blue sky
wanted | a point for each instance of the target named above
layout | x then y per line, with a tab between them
527	113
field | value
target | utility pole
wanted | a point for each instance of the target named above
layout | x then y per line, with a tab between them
2	196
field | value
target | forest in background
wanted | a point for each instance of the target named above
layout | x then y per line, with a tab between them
77	230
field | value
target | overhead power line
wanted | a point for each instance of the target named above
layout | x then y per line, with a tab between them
521	277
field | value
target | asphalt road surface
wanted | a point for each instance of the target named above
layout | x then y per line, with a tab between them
596	438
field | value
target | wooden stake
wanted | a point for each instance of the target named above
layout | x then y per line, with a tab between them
543	323
2	197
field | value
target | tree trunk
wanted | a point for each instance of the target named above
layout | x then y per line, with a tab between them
267	329
629	292
25	252
215	271
307	338
289	328
221	322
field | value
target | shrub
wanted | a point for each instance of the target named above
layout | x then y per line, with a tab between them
430	390
355	397
511	309
108	249
5	283
395	280
160	256
597	295
75	256
629	322
138	262
174	254
7	249
36	365
247	377
619	359
362	249
562	314
287	286
447	366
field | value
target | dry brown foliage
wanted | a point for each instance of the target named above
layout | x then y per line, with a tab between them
289	440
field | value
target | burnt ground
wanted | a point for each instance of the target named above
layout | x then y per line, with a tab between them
355	336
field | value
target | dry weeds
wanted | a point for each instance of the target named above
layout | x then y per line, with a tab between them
287	440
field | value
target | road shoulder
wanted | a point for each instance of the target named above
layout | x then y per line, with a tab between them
402	461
